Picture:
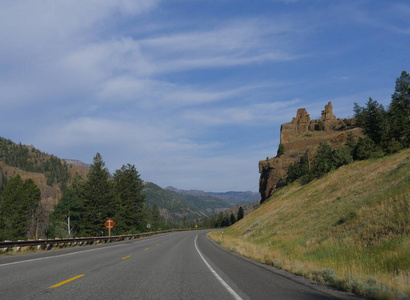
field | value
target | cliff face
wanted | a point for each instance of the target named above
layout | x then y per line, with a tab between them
297	136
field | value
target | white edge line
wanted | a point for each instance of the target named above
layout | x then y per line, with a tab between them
230	290
48	257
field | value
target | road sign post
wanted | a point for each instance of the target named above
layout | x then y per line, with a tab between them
109	224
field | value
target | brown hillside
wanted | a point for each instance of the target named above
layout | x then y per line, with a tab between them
23	160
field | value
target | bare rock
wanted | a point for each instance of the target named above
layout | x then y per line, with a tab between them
299	125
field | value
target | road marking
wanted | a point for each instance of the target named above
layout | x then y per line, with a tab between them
79	252
156	245
125	257
66	281
146	249
61	255
230	290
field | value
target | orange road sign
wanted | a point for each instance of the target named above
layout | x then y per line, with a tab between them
109	223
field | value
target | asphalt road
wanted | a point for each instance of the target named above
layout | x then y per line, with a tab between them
181	265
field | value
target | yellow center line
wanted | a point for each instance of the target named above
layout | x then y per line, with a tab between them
66	281
125	257
146	249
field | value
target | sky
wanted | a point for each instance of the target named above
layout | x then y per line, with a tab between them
192	92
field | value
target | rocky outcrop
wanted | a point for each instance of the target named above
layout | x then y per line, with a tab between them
297	136
299	125
328	118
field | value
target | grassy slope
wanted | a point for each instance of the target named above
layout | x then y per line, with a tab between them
355	220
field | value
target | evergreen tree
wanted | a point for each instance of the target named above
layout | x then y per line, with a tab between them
225	221
304	164
399	111
366	149
342	156
323	160
299	169
293	172
98	199
155	218
350	142
232	218
372	119
241	213
65	220
17	209
219	220
130	200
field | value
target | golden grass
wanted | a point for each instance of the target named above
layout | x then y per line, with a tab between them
355	221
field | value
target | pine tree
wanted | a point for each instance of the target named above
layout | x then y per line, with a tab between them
342	156
17	209
155	218
241	213
323	160
232	218
130	200
366	148
350	142
372	119
65	219
399	111
98	199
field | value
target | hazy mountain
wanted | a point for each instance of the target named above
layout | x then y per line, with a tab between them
175	205
232	198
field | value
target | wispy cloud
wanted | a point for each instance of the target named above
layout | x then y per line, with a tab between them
182	88
260	113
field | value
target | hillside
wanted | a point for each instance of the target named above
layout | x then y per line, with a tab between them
350	229
52	174
49	173
300	135
175	205
231	197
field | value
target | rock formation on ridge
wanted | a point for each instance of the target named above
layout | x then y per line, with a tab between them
297	136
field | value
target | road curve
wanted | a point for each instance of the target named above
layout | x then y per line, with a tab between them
181	265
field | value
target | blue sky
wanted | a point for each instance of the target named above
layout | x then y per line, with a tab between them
191	92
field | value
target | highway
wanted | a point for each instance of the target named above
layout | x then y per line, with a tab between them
180	265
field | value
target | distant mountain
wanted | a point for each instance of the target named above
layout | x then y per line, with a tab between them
232	198
176	206
75	162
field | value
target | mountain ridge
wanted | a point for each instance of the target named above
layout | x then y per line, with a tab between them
231	197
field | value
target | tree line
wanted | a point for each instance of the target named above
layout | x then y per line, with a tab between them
223	219
87	204
386	131
32	160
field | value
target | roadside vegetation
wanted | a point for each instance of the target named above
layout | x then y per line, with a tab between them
349	229
386	131
343	219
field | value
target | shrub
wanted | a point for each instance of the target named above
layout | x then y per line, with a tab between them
281	150
325	276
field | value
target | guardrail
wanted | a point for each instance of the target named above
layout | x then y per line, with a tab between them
47	244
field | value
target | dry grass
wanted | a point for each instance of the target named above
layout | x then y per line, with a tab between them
355	221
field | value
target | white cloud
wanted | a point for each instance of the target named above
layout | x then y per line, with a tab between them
260	113
232	44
